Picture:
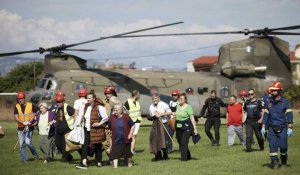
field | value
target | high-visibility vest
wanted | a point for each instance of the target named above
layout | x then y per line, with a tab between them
70	120
28	114
134	110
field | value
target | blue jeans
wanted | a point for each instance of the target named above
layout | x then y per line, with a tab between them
25	139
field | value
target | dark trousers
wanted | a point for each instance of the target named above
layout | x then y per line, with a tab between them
169	144
60	143
97	148
183	136
278	138
216	122
253	126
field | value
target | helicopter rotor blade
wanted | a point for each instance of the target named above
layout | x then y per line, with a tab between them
286	28
283	33
121	34
81	50
181	34
41	50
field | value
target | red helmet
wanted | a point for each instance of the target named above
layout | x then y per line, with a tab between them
60	92
176	92
243	93
59	98
21	95
276	85
82	92
109	90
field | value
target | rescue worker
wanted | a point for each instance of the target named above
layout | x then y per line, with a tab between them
79	103
173	106
133	108
253	107
278	119
159	136
213	105
24	112
243	95
64	124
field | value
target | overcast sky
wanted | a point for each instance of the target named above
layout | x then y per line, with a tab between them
30	24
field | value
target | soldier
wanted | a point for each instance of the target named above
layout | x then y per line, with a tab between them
24	112
213	105
278	119
254	109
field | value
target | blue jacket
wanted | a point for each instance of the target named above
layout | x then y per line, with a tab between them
277	113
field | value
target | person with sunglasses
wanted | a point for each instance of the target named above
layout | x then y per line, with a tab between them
254	108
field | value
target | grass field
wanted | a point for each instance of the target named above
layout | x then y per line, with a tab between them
206	159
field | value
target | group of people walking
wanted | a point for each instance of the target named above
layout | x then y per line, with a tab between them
111	126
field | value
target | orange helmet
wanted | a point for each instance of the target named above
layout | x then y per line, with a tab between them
82	92
243	93
59	98
176	92
21	95
276	85
109	90
60	92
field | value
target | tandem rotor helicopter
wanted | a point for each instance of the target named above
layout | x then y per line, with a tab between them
250	63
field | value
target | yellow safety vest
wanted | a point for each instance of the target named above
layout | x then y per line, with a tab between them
134	110
70	120
28	114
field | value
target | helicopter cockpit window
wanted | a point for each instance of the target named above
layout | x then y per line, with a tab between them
41	83
49	85
48	95
52	84
224	92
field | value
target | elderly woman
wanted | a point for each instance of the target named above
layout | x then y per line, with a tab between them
45	120
94	116
185	126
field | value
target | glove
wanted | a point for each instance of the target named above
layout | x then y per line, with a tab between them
263	131
290	132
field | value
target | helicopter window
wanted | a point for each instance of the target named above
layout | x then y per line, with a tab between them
49	84
48	95
224	92
201	90
41	83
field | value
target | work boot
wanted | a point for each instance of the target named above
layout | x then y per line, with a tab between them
284	162
213	142
275	164
217	143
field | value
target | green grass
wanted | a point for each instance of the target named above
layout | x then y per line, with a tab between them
206	159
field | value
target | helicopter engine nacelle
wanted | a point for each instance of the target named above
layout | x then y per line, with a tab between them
236	70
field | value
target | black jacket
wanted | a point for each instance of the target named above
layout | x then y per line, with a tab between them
213	107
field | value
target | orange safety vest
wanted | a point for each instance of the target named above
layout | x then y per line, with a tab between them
28	114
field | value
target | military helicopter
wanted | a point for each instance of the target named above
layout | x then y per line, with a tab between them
250	63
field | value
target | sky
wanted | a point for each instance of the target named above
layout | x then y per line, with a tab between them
30	24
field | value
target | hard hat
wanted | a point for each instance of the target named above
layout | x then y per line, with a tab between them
21	95
109	90
243	93
276	85
176	92
59	92
82	92
59	98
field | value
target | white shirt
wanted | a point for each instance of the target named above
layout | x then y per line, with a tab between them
161	107
79	102
43	124
87	115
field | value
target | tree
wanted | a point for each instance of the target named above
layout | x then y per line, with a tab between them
21	77
293	93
